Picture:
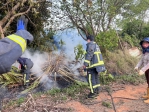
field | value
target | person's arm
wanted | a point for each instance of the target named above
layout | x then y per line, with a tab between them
20	60
140	63
89	54
146	67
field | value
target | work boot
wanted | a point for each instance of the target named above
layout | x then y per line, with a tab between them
92	95
96	91
146	96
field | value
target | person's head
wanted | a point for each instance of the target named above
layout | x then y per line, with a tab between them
90	38
145	42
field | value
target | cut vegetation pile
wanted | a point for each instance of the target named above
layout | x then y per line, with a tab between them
54	67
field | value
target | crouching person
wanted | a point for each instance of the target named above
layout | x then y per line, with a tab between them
26	65
14	45
94	65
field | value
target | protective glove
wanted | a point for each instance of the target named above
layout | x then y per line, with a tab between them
22	23
141	72
84	67
136	68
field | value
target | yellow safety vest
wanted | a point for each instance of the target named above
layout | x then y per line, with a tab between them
19	40
99	62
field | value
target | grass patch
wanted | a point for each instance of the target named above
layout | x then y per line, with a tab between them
53	91
120	62
130	79
106	79
20	101
16	103
106	104
74	89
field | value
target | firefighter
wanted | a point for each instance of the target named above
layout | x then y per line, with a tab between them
13	46
26	65
94	65
143	66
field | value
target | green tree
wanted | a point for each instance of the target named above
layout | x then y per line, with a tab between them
93	17
107	40
79	52
136	29
145	31
133	28
37	13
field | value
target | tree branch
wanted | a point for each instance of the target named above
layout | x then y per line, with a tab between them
16	15
2	33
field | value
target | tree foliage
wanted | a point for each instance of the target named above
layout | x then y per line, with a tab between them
37	13
107	40
136	29
79	52
93	17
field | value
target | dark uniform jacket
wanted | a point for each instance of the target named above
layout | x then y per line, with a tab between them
93	57
12	47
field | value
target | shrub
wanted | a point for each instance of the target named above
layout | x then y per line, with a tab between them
120	62
107	40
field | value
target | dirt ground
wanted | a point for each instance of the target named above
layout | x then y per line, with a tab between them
132	103
126	98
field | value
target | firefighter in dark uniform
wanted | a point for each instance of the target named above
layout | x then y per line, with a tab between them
26	65
14	45
94	65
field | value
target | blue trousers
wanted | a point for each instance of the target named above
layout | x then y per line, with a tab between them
26	71
93	80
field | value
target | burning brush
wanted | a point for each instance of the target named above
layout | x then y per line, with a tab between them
54	67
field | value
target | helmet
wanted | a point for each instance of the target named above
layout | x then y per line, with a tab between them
146	39
90	37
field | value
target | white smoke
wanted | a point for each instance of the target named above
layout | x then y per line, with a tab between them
71	39
39	60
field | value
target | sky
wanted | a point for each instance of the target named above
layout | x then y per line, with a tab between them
71	39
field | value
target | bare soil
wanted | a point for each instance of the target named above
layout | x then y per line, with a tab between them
126	98
132	103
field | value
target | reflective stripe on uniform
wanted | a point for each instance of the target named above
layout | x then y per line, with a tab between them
87	61
97	64
97	54
95	86
19	40
98	60
27	80
24	79
90	84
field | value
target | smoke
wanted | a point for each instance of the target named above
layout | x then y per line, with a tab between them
39	59
71	39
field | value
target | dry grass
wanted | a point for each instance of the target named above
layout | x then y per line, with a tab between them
12	78
54	66
120	62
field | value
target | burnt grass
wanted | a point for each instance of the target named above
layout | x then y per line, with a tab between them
48	100
41	101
